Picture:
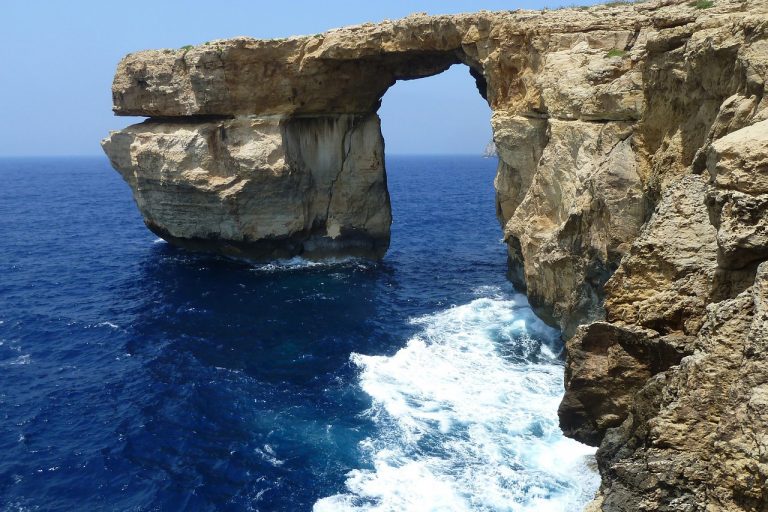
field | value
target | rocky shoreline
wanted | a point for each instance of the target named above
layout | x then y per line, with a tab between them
632	187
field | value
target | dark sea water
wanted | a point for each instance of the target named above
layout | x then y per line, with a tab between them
138	377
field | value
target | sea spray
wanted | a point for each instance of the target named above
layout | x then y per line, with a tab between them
465	418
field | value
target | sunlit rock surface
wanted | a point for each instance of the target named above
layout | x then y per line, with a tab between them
260	188
631	187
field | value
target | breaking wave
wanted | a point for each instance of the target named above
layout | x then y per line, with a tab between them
465	418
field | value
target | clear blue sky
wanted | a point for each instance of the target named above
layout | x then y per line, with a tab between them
58	58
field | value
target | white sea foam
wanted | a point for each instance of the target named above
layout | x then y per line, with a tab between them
299	263
466	419
21	360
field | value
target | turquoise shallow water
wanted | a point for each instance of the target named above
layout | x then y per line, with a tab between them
134	376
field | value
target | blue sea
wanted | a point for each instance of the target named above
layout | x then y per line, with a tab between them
139	377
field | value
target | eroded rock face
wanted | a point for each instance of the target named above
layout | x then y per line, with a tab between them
632	188
687	432
260	188
695	436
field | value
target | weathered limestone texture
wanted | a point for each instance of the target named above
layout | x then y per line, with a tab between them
260	187
632	188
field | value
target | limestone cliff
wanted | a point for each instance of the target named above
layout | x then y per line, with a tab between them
632	187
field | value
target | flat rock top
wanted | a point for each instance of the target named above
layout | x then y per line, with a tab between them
348	69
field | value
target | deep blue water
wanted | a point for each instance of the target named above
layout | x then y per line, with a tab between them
135	376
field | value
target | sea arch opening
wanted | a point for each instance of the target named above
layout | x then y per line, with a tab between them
442	110
471	396
435	131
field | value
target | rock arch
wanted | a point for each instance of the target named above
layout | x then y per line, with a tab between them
277	143
267	149
631	143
